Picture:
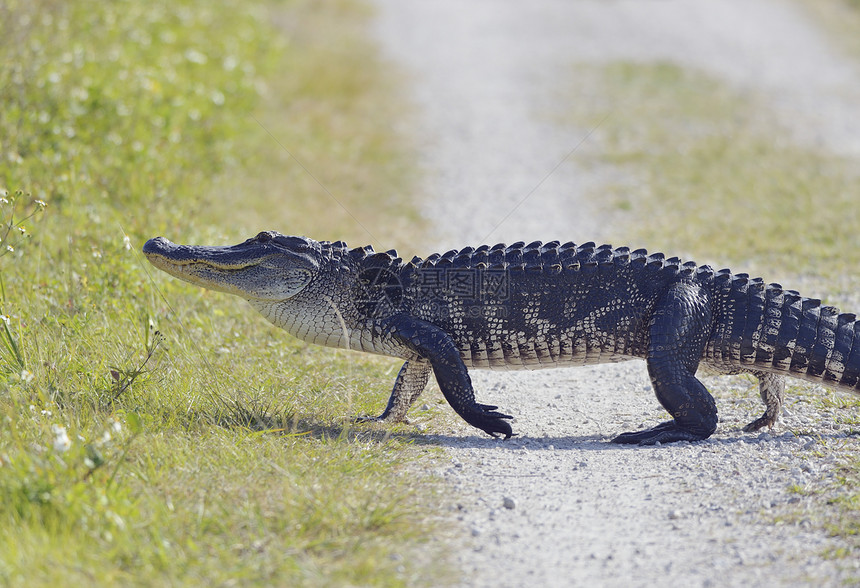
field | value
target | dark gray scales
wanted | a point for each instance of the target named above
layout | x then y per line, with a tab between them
534	306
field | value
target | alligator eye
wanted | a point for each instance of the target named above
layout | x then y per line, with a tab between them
264	237
292	243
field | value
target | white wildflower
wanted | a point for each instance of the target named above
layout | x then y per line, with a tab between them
117	520
126	242
79	94
116	427
62	443
26	376
195	56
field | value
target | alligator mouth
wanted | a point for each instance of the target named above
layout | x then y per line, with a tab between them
202	265
194	264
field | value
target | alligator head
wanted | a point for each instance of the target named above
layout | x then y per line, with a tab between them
267	268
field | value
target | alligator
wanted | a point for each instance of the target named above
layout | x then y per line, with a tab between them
533	306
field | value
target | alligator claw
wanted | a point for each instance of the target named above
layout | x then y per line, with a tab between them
491	422
666	432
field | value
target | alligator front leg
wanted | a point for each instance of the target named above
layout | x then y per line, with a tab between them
408	386
678	334
436	347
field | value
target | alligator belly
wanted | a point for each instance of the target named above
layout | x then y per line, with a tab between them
536	354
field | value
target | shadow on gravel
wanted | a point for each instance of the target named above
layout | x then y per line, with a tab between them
269	419
591	442
603	443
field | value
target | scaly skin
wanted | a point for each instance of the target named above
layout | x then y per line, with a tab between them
531	307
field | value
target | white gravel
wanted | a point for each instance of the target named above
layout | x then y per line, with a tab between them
559	506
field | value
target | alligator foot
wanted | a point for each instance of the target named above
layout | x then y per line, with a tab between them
759	423
490	421
663	433
485	417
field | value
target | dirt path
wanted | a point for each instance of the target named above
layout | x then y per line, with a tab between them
484	75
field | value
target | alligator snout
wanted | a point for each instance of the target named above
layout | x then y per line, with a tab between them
156	245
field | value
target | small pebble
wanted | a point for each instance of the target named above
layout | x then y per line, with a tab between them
509	503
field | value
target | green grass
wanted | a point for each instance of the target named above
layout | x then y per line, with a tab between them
705	171
157	434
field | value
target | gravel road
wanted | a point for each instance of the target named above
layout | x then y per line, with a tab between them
559	506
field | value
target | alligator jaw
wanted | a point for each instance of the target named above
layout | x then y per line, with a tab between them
254	270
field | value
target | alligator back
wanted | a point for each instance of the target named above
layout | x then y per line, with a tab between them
531	306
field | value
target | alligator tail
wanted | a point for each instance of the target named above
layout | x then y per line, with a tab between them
816	342
763	327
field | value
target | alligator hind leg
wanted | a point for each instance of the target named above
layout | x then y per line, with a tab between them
678	333
408	386
771	388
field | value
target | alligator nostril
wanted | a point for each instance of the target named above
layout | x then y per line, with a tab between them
155	245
